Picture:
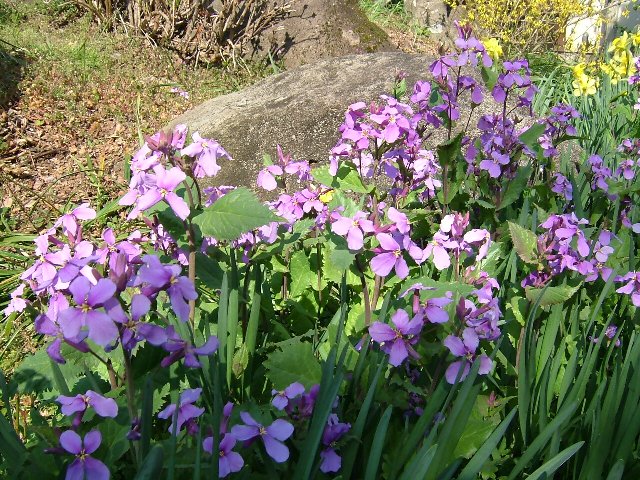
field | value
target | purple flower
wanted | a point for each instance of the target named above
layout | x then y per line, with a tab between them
103	406
436	249
353	228
397	341
283	397
609	333
632	288
301	407
180	348
229	461
389	257
465	348
88	299
272	436
333	431
166	182
206	153
140	305
159	277
187	412
562	186
47	324
84	465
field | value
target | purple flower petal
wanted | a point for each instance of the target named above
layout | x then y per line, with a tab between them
331	461
92	441
105	407
95	470
75	471
178	205
452	371
455	346
209	347
102	330
101	292
276	450
190	395
280	429
245	432
381	332
71	442
383	263
140	305
398	353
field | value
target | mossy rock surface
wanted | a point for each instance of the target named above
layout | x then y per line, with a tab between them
319	29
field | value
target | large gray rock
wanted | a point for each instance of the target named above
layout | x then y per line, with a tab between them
432	14
300	109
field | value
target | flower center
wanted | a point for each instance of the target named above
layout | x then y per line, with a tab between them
163	192
397	253
263	431
85	308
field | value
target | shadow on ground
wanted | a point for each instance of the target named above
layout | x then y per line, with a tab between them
12	65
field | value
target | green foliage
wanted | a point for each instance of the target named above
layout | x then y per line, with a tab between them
237	212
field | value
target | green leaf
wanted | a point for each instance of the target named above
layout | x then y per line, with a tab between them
551	295
474	466
151	468
449	151
555	463
238	212
373	458
515	187
304	272
294	363
347	178
479	427
340	257
531	135
489	77
525	242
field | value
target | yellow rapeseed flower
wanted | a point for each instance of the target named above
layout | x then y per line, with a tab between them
635	39
493	48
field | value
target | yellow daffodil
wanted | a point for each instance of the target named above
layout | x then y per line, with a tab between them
620	44
584	85
493	48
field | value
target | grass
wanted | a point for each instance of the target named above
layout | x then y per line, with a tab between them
390	14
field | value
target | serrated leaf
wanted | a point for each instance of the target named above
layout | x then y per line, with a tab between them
346	178
294	363
524	241
238	212
551	295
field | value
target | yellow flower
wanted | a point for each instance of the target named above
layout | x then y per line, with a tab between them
584	85
493	48
635	39
578	70
620	43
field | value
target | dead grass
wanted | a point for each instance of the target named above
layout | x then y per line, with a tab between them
77	103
